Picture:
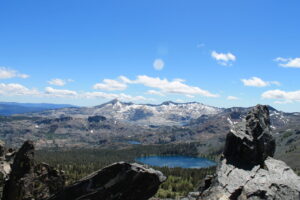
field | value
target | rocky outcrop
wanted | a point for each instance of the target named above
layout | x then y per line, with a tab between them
119	181
247	169
250	142
28	180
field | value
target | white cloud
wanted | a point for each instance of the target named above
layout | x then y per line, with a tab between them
254	82
111	85
223	58
155	92
158	64
15	89
6	73
125	79
285	97
258	82
281	59
60	93
175	87
280	94
288	62
58	82
232	98
122	96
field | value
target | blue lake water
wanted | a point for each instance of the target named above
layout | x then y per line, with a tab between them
133	142
176	161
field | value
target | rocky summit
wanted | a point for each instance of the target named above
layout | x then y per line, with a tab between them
247	169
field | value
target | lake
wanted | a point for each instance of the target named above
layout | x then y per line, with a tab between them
133	142
176	161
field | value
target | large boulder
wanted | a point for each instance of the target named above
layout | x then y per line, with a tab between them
119	181
247	170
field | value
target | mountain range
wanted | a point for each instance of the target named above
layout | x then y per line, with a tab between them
117	123
167	113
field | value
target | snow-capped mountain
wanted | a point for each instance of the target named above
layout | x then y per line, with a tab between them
167	113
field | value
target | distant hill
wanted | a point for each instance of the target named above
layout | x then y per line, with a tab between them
10	108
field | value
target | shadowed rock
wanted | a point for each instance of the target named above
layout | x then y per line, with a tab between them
20	183
29	181
247	171
250	143
119	181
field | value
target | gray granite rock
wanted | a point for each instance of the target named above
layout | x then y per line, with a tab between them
247	171
275	181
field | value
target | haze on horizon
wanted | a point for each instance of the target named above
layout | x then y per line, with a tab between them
220	53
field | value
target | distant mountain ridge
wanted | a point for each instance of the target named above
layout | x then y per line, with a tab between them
166	113
10	108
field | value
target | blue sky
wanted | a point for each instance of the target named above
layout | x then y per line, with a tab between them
86	52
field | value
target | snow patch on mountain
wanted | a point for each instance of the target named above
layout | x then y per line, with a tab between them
167	113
